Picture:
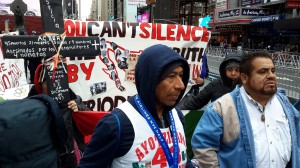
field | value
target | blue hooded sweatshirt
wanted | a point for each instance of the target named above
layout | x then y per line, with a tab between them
111	141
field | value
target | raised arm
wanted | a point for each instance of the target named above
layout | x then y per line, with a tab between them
198	101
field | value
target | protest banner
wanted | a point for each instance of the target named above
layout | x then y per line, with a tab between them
107	80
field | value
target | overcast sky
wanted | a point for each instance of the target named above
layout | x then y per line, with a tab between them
85	8
35	5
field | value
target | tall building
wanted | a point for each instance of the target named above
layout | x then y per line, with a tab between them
120	10
70	9
96	10
107	10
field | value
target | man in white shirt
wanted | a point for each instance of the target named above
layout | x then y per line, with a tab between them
253	126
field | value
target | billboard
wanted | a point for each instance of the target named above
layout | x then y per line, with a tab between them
143	18
130	9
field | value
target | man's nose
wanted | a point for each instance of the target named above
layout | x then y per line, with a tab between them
271	74
179	83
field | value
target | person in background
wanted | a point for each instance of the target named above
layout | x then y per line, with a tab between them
68	159
255	125
229	78
147	129
199	81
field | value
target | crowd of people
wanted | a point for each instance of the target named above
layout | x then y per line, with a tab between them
248	121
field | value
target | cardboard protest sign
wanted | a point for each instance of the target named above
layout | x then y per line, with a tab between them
57	82
12	73
52	16
32	47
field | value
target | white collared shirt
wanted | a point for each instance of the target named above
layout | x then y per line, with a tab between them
272	138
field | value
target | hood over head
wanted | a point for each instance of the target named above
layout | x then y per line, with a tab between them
153	65
231	59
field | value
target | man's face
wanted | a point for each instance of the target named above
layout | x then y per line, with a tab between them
169	89
262	80
233	73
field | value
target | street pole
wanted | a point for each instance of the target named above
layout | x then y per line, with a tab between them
72	9
97	8
115	9
79	9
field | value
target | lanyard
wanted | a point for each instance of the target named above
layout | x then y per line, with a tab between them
172	161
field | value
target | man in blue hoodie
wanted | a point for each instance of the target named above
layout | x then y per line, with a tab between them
146	129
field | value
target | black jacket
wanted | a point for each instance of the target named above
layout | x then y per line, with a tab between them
214	89
67	158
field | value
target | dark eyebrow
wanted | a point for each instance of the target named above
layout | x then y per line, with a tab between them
265	68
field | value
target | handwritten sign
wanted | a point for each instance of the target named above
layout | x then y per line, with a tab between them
52	16
31	47
58	86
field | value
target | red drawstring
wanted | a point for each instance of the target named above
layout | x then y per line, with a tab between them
37	79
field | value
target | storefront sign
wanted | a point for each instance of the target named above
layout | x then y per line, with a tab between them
293	4
273	1
229	28
269	18
229	13
150	1
250	2
244	12
252	12
221	4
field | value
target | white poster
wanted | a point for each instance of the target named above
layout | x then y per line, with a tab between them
106	80
12	73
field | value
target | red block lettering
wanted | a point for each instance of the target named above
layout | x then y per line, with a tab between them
144	146
72	73
70	28
139	154
170	32
151	143
206	35
159	33
182	33
87	70
143	28
194	33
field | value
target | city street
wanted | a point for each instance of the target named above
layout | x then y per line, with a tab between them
287	76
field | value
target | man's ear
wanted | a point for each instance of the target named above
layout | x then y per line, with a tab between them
244	78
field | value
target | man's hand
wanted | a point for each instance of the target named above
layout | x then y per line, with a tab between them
199	81
73	106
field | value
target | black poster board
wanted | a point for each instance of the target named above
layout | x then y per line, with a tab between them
31	47
52	16
58	88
